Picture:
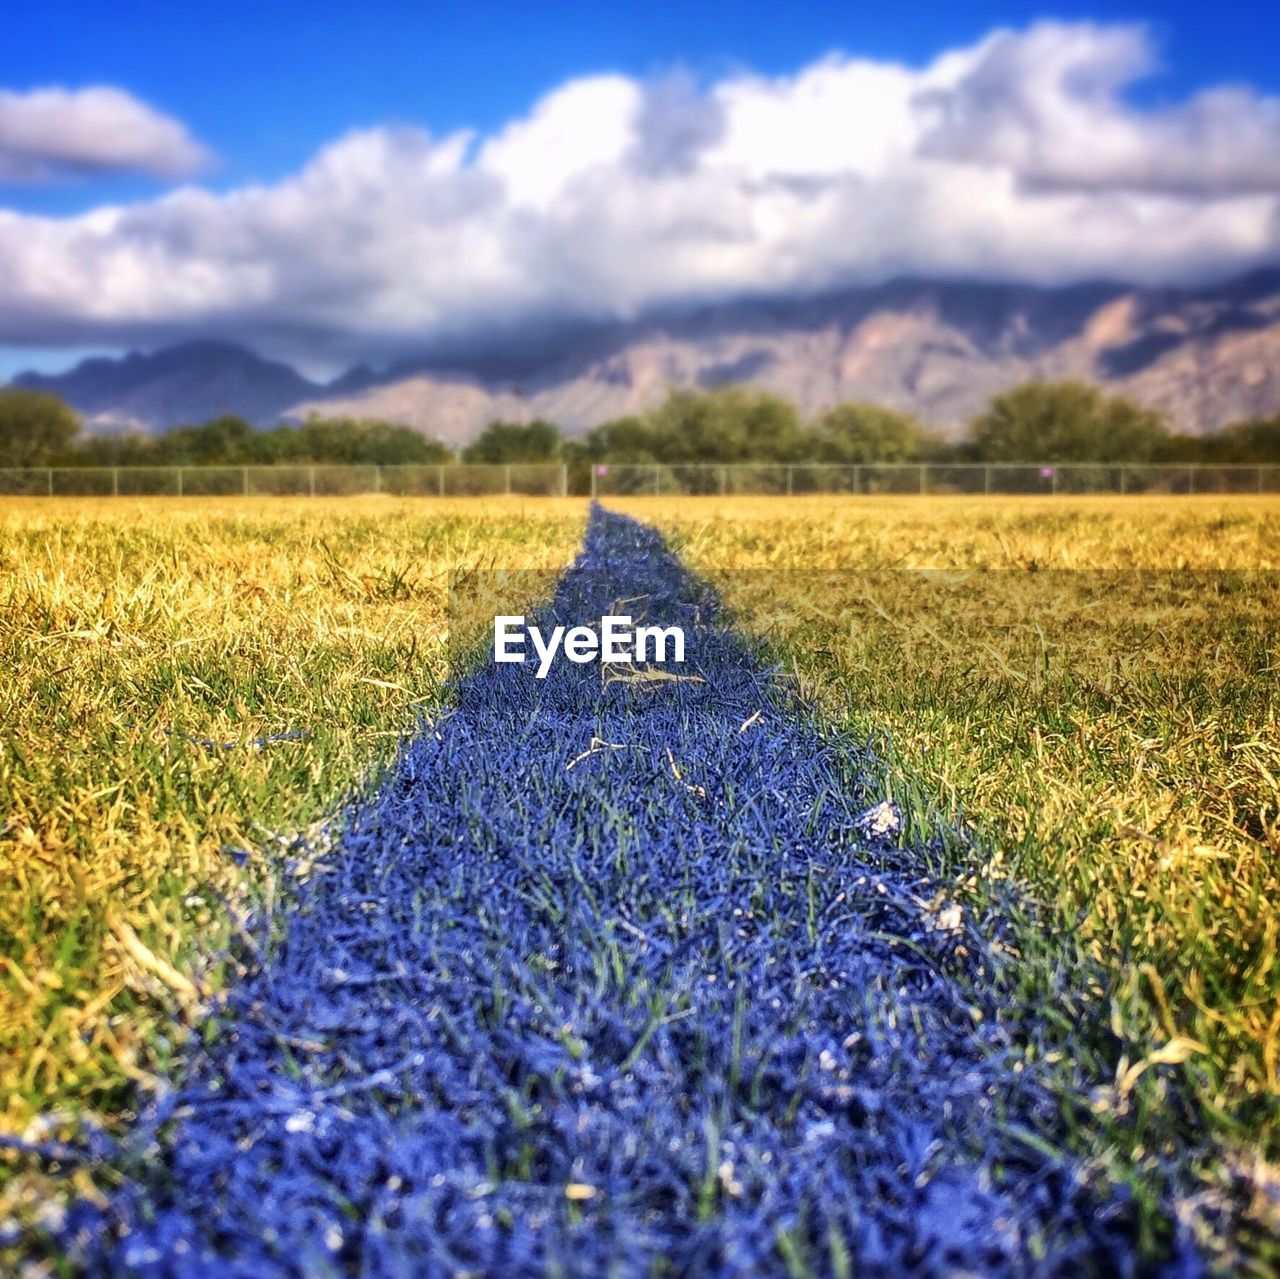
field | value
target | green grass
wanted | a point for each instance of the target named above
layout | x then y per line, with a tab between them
1081	698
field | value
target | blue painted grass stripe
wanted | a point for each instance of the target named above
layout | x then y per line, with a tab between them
657	1009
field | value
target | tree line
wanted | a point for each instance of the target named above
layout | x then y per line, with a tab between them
38	429
1064	421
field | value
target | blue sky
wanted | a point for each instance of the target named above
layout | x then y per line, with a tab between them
263	89
266	84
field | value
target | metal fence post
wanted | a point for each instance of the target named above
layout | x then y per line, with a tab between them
245	480
790	486
377	478
507	479
1124	480
657	480
857	478
986	479
311	481
924	478
179	481
724	480
115	481
564	479
1191	478
48	481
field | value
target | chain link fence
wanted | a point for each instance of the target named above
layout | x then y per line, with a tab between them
634	479
929	478
285	481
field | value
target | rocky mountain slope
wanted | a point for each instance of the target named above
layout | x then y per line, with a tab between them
183	384
1206	357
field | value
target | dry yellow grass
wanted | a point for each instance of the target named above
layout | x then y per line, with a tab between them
1103	532
1082	695
189	685
1100	724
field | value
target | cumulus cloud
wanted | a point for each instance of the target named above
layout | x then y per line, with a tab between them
54	132
1047	106
1017	157
674	125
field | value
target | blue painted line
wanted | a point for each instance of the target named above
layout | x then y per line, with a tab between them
608	979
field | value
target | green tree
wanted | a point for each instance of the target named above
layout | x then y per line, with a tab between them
728	424
230	441
624	439
860	432
1255	440
279	446
361	441
391	444
537	441
1066	422
227	439
222	441
131	449
35	428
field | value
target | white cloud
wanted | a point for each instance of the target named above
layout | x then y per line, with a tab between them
1016	157
586	126
53	132
1046	105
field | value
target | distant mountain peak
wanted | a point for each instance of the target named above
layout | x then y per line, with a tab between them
939	348
189	382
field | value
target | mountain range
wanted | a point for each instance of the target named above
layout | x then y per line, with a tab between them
1206	357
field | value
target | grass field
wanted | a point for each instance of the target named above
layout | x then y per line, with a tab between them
1103	730
188	684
